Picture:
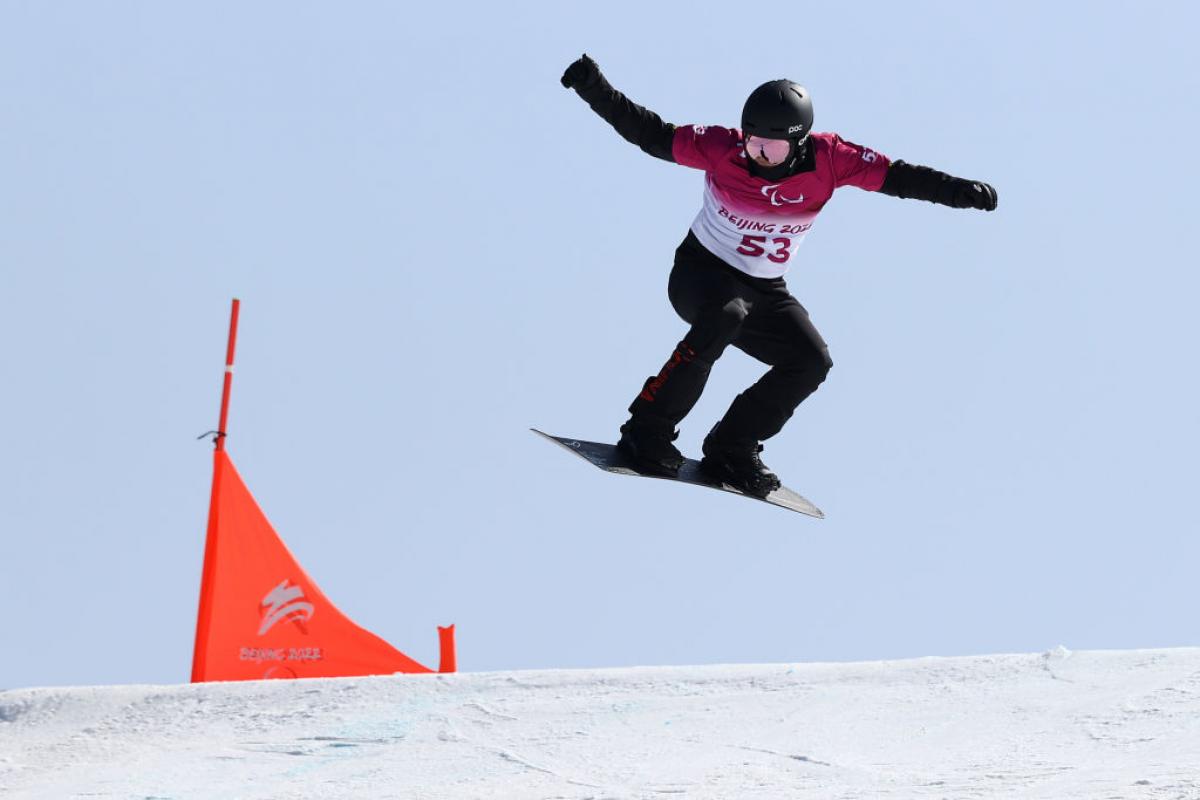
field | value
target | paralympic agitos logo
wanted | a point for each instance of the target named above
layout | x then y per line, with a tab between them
772	192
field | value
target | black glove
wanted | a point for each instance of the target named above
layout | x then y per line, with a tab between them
972	194
581	74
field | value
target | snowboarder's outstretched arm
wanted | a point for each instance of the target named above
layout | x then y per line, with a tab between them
923	183
635	123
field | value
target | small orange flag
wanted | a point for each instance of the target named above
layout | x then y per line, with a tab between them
261	615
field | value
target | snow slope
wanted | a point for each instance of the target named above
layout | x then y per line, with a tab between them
1058	725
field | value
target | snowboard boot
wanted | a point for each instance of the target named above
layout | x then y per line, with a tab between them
738	465
649	448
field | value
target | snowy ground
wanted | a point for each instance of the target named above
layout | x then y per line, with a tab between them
1058	725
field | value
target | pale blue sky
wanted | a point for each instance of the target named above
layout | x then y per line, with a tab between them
438	247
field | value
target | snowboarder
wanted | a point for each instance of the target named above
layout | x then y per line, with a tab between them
764	186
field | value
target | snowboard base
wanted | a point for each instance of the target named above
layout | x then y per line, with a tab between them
608	458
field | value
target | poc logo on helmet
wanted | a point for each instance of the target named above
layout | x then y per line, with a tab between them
796	129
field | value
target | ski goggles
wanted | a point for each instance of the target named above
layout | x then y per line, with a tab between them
773	151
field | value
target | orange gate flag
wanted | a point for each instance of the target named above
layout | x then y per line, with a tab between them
261	615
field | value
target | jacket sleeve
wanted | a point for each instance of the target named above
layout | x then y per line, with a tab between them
855	165
636	124
910	181
923	183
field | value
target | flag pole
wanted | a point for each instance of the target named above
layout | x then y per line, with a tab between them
204	613
233	323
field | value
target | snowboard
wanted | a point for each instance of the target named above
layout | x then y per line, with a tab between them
608	458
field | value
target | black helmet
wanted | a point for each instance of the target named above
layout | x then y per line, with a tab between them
778	110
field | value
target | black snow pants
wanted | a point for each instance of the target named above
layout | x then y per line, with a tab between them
759	316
